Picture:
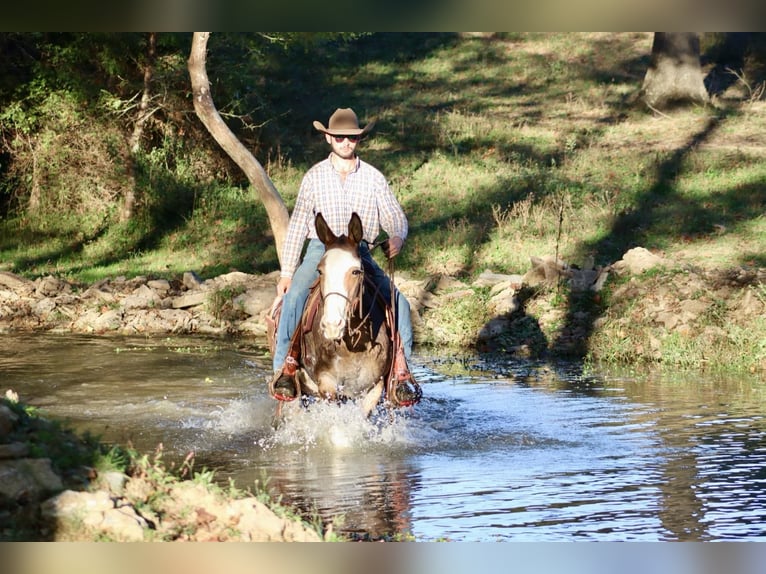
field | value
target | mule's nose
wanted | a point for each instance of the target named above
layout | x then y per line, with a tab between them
332	330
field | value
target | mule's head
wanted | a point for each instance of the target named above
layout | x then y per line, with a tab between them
340	275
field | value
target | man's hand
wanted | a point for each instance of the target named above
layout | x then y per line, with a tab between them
283	285
392	246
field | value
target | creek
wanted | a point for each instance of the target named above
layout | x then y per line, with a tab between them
497	450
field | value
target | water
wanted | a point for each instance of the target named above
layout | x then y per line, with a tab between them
504	451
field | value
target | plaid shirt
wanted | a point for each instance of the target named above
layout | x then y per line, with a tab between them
365	192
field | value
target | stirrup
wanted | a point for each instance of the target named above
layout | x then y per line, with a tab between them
286	374
403	380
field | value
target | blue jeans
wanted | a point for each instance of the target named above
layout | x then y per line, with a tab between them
295	299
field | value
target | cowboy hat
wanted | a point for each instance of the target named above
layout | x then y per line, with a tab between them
343	122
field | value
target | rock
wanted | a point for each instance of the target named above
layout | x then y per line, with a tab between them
80	515
459	294
191	280
545	270
693	308
255	301
447	283
110	320
28	477
750	305
488	279
159	285
258	523
115	481
17	284
142	298
43	307
7	419
51	286
638	260
254	326
189	300
589	279
503	300
14	450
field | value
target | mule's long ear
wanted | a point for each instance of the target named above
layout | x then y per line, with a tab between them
324	232
355	231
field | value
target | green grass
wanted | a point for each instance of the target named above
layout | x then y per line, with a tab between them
483	141
499	150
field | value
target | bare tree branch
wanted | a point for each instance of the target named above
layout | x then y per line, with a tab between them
208	114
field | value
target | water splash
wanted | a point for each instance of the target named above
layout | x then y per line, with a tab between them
339	427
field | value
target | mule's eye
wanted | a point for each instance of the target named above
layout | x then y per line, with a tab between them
319	271
356	272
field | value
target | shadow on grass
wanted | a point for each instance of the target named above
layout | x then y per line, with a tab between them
660	214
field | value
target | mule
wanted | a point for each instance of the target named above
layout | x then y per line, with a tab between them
347	347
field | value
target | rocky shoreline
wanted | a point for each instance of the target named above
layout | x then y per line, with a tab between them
41	501
661	296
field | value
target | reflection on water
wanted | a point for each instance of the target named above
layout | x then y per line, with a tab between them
507	451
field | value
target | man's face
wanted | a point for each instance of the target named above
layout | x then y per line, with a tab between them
343	146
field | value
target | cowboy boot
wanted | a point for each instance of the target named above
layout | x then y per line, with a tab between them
284	387
407	391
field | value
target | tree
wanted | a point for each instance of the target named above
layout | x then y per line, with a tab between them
675	74
143	115
208	114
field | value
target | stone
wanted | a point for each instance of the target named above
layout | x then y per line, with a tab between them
43	307
50	286
487	279
14	450
638	260
114	481
159	284
141	298
189	300
750	305
23	476
7	420
191	280
78	514
255	301
693	308
447	283
504	302
110	320
493	328
15	283
545	270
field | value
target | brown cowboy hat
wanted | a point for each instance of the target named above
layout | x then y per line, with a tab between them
343	122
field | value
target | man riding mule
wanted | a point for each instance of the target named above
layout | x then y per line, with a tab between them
337	187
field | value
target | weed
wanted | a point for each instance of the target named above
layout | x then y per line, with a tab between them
221	305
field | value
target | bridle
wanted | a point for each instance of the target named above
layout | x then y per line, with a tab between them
355	298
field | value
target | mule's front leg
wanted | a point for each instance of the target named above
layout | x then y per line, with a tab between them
327	386
372	398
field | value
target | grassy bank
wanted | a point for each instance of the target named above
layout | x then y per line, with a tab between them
499	149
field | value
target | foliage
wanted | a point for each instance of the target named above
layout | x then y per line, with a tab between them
51	439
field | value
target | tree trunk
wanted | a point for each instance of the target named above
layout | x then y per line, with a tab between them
144	113
675	75
207	112
146	96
